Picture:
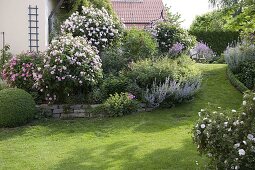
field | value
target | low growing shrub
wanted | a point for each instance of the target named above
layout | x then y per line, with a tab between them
17	107
145	72
228	137
247	73
114	84
120	104
175	92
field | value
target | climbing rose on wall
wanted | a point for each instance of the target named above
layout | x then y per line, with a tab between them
94	24
71	65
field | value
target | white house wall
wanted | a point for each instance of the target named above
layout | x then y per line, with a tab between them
14	22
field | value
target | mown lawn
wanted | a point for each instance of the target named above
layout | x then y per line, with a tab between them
155	140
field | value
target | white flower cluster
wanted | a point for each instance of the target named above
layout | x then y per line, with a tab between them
70	60
216	133
94	24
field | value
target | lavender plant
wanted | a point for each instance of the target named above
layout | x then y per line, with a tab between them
235	56
202	51
176	49
177	91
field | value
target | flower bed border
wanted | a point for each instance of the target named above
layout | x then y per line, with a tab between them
235	82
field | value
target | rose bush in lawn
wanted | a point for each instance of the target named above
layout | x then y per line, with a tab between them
228	137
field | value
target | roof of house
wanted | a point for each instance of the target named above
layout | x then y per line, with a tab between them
138	11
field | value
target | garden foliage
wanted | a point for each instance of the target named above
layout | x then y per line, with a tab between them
120	104
228	137
22	70
174	77
138	44
168	34
202	51
94	24
242	52
70	67
17	107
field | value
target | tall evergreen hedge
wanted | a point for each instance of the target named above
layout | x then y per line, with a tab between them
217	40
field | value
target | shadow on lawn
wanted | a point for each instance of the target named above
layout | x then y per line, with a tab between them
141	122
121	155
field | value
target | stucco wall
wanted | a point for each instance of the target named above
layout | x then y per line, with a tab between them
14	22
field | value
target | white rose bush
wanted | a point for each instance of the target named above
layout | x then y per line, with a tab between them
70	66
228	137
94	24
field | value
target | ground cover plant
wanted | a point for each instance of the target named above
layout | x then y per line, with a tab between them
151	140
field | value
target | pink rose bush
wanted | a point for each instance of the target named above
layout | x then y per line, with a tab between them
70	66
23	70
94	24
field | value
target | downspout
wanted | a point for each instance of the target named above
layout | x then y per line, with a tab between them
60	2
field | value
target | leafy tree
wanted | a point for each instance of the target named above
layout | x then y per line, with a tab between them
240	16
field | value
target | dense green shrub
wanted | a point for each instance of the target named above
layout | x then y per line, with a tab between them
114	84
120	104
168	34
3	85
217	40
247	74
113	60
17	107
228	137
145	72
138	44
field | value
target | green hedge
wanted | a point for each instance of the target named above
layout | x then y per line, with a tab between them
235	82
17	107
217	40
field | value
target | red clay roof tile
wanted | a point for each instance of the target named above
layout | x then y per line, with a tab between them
138	11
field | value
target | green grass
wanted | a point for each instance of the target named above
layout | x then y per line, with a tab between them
155	140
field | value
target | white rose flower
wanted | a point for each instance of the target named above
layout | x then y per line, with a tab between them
244	103
237	145
241	152
225	124
202	126
250	136
234	111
